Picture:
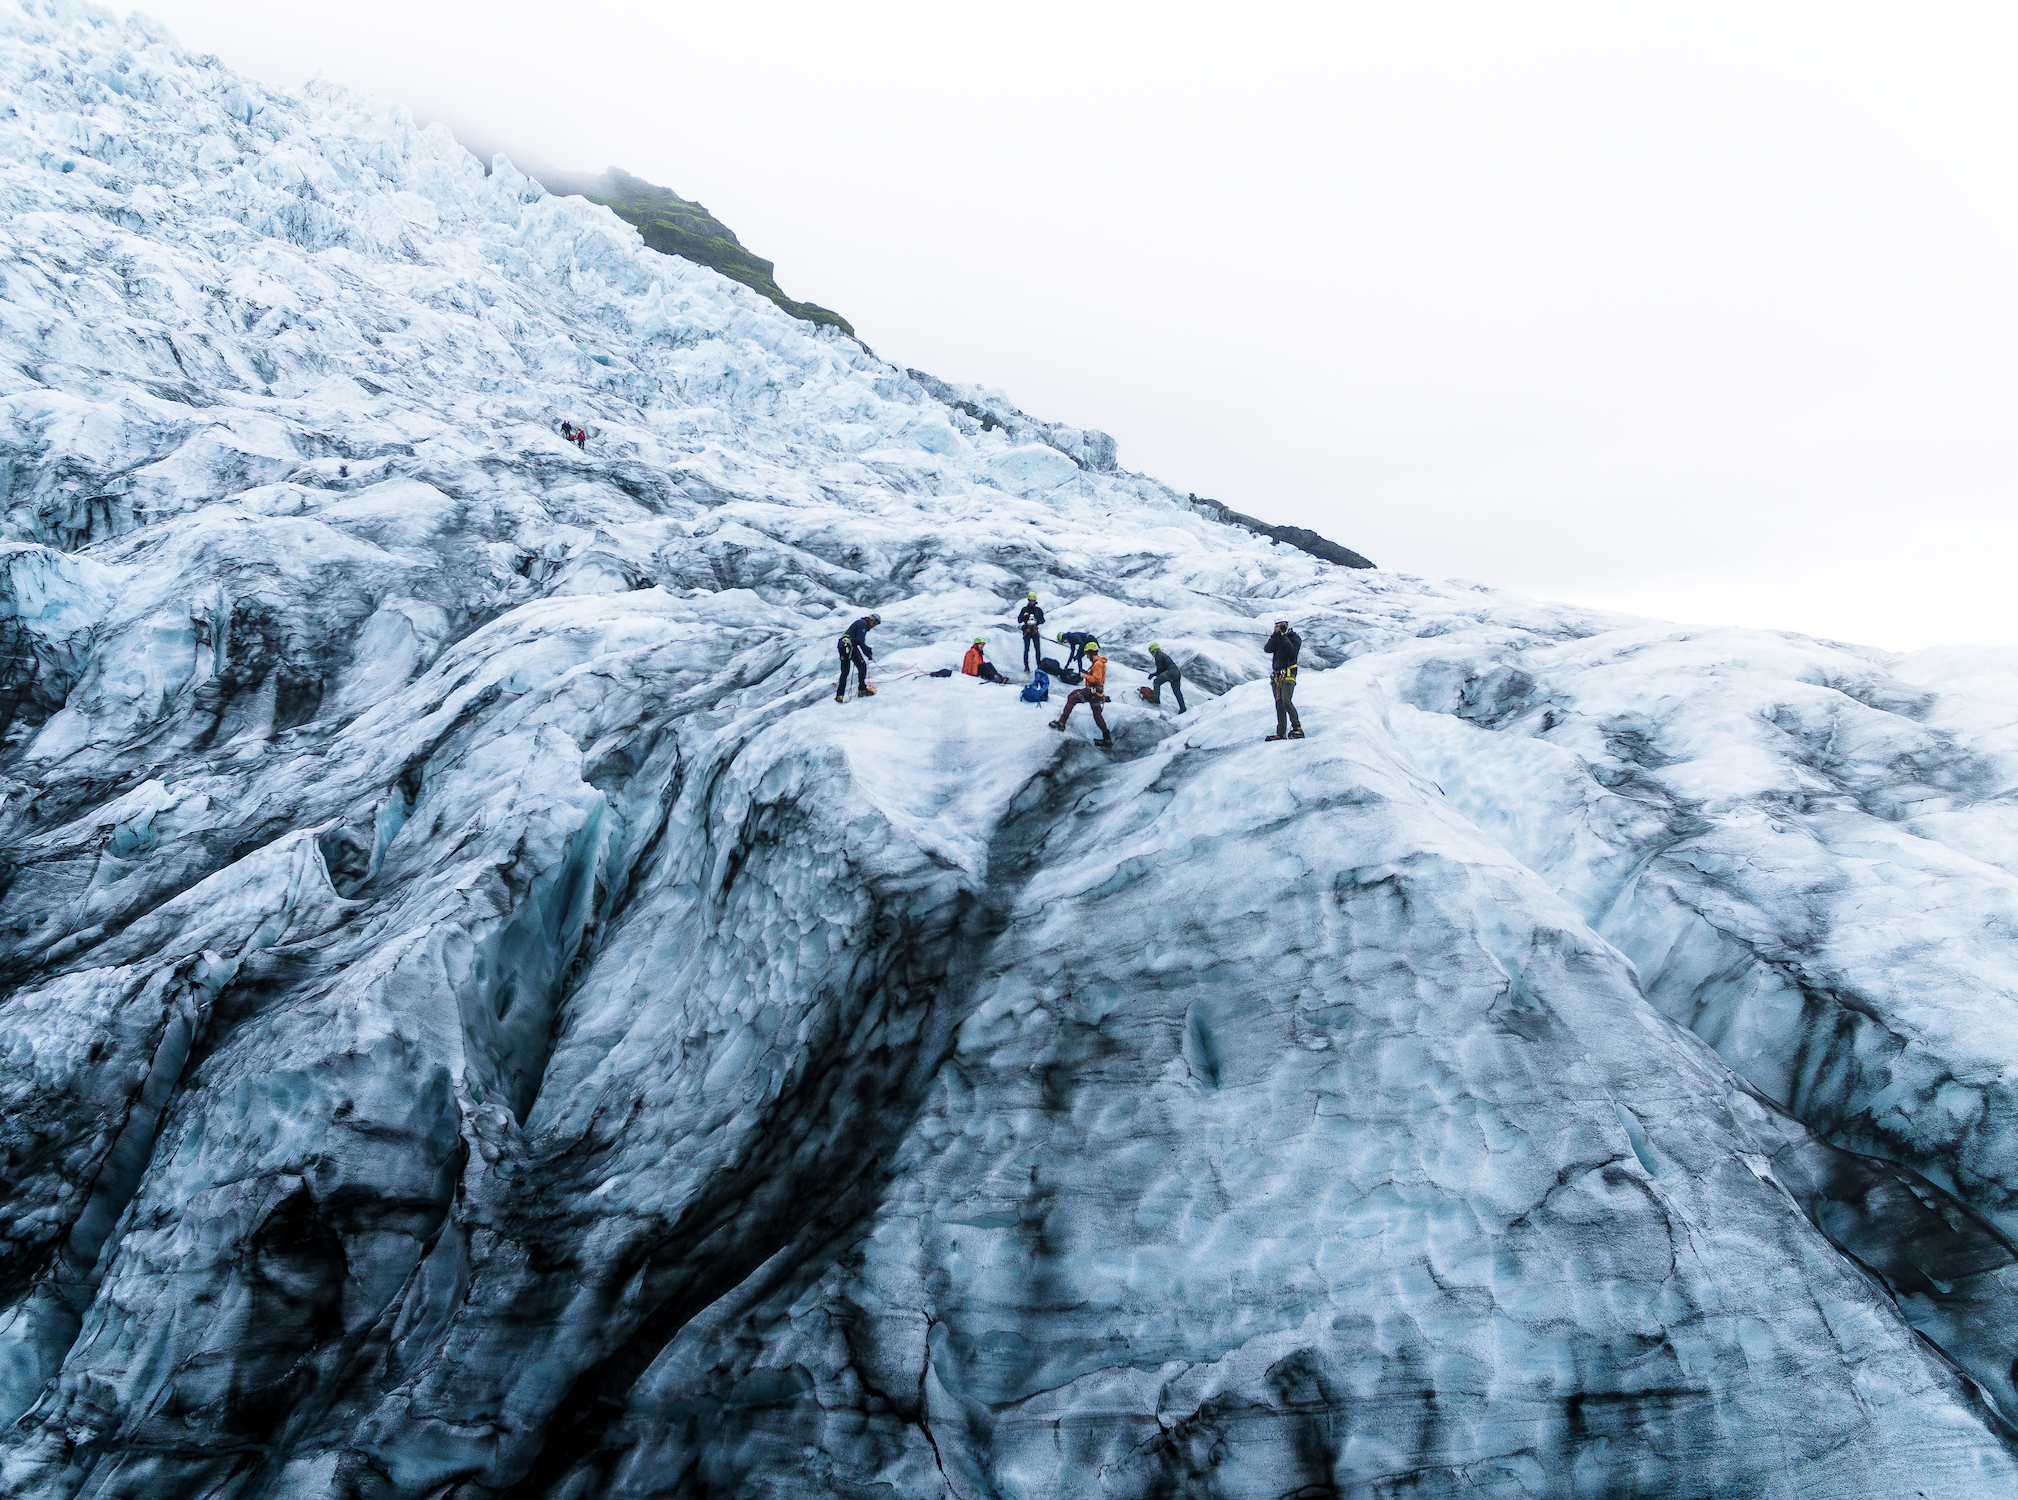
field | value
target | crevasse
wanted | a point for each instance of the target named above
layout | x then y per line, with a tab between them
480	1020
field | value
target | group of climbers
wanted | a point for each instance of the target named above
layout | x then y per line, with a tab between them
1085	670
572	433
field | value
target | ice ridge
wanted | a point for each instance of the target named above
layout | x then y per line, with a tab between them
480	1020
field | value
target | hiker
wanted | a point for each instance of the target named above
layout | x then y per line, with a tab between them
1082	643
1091	695
1282	648
567	431
855	651
1163	670
978	665
1031	618
582	438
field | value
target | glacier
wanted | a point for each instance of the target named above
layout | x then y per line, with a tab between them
480	1020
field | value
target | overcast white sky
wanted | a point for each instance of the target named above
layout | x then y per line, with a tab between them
1704	311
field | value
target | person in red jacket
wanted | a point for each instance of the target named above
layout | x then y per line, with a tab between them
978	665
1092	693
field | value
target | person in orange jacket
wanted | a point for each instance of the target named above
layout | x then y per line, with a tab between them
1092	693
978	665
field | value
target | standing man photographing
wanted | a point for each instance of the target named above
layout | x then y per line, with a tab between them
1282	649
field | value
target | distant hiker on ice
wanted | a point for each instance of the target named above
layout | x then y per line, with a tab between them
1031	618
1163	672
1082	643
1282	648
978	665
855	653
579	436
1092	695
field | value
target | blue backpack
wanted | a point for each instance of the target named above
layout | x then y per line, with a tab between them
1038	690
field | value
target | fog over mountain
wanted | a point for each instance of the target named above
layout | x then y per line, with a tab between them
480	1018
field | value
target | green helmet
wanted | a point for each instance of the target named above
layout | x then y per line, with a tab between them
980	640
1033	593
1154	648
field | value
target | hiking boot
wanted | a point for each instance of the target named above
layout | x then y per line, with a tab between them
840	698
1275	737
1057	723
1296	734
1106	744
865	691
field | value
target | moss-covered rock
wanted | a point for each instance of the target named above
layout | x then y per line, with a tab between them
1300	537
674	225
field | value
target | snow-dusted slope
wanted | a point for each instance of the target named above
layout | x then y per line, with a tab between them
481	1020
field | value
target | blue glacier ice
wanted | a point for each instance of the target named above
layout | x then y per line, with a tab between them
480	1020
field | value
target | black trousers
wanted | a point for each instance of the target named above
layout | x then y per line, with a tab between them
1031	642
1176	681
848	659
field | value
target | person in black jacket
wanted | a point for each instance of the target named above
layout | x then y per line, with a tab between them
1282	649
855	652
1083	645
1165	673
1031	618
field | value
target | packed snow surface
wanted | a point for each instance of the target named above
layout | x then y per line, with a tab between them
481	1020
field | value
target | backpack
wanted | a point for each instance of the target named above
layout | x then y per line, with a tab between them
1038	689
1050	665
1069	677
